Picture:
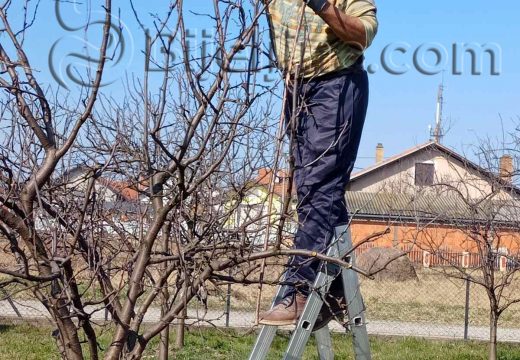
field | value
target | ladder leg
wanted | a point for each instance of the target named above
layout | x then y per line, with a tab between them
267	333
303	329
313	306
263	342
355	305
324	343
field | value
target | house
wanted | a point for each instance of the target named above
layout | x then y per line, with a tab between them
429	197
111	190
253	208
435	169
120	200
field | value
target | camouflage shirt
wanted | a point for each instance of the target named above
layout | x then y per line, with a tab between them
322	50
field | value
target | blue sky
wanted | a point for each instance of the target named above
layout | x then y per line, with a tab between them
401	106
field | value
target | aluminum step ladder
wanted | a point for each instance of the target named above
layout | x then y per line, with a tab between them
340	245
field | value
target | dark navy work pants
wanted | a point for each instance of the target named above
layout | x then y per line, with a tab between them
330	113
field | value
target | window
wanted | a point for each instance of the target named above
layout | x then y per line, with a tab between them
424	173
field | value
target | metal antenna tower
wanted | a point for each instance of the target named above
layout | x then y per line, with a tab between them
437	133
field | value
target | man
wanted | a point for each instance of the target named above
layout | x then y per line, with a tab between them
325	63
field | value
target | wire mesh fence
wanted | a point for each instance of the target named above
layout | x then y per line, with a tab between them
435	304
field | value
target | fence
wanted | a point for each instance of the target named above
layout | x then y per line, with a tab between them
433	305
450	258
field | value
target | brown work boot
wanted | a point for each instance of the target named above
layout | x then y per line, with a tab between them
287	312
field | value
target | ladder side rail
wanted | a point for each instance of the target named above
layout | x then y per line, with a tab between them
267	332
355	304
312	308
263	342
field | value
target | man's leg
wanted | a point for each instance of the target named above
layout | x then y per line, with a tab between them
328	132
328	137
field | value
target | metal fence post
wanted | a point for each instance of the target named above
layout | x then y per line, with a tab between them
228	300
466	311
109	274
11	302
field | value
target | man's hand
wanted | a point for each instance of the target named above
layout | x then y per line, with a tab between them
348	28
317	5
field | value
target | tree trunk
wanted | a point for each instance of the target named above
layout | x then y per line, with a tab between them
165	336
67	337
179	338
165	237
493	325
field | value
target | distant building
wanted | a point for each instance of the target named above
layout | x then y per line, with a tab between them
429	195
121	201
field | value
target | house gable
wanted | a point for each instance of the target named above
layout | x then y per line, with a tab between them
452	173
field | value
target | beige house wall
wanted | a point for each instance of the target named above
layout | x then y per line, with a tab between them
451	176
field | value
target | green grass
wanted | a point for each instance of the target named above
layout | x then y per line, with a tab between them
35	343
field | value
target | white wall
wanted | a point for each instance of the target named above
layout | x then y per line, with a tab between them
451	176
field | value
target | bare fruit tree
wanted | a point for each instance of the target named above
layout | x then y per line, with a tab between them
130	201
33	146
484	216
126	203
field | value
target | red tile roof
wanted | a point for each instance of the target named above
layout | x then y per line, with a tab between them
281	185
126	189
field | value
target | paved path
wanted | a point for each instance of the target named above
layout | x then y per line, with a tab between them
242	319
